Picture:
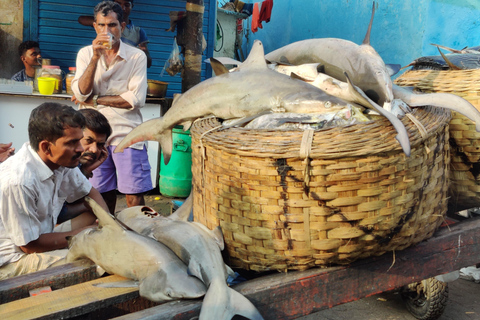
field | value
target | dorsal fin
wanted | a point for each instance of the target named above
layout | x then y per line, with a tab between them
183	212
256	58
218	67
367	36
450	64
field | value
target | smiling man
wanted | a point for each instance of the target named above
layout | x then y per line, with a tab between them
34	185
114	81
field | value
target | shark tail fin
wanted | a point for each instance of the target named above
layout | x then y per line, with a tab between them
449	63
243	307
402	134
235	304
366	40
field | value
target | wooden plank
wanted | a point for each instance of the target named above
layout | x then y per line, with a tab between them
294	294
69	302
56	278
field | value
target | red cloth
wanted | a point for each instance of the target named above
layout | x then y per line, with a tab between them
265	11
255	16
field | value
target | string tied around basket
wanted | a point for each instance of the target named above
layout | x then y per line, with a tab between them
305	150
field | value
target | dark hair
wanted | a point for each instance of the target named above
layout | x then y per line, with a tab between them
49	120
105	7
96	122
27	45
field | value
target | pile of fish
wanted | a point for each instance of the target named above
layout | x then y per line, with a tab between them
168	257
331	75
464	59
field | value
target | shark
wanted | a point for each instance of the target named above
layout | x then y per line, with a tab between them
161	275
251	90
337	56
199	248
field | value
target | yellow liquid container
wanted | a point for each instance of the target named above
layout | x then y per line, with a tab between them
69	78
53	72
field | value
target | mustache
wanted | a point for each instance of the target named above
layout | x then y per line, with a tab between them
89	154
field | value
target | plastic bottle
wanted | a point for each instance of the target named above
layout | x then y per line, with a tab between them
69	78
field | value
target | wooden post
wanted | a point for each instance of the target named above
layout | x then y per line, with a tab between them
193	43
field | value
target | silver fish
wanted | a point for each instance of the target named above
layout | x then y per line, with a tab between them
235	95
361	62
198	247
161	275
439	99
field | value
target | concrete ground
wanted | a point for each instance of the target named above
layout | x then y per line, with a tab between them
463	301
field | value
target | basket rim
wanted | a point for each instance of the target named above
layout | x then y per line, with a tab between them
368	138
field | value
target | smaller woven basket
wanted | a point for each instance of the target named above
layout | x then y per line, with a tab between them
297	199
464	189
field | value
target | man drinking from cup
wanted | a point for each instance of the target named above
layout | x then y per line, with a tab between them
114	81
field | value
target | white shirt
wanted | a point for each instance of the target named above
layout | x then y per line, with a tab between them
31	197
126	77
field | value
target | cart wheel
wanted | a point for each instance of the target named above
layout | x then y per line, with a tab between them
426	300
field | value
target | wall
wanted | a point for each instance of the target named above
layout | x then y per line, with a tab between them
11	29
401	32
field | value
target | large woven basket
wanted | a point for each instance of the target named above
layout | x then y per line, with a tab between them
464	189
348	193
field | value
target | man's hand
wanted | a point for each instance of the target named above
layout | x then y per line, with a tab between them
88	169
6	151
88	102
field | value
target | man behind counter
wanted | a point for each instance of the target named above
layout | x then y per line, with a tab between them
29	52
34	185
114	81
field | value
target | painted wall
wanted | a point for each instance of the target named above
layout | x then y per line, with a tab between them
11	29
401	32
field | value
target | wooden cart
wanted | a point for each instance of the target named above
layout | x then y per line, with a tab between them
276	295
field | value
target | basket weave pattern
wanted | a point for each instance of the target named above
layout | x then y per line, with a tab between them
464	191
355	195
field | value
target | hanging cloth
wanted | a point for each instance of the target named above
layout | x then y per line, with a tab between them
255	16
265	11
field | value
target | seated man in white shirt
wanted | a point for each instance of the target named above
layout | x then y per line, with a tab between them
34	185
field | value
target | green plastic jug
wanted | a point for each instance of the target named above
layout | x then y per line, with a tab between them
176	177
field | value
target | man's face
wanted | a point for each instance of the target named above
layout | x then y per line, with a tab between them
109	23
93	144
66	150
126	7
31	57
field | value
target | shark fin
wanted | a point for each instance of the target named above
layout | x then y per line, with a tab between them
293	75
256	58
186	125
447	48
402	134
104	218
450	64
243	307
183	212
393	69
218	237
218	67
194	269
366	40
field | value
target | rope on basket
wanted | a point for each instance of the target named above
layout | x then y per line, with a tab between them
421	128
203	161
305	149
